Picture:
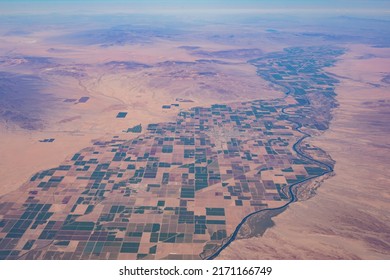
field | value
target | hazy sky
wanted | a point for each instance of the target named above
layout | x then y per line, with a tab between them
98	6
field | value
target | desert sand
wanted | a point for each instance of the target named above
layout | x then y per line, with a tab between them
347	218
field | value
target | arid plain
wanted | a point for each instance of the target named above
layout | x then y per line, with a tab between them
70	88
139	79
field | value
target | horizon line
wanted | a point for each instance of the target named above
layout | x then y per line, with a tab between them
84	11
